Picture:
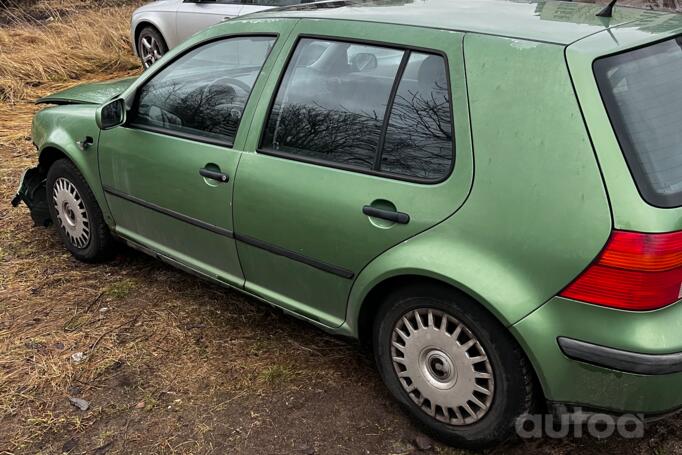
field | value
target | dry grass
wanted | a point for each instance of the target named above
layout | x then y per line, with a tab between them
52	45
68	47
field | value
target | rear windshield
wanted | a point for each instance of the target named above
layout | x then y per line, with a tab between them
642	90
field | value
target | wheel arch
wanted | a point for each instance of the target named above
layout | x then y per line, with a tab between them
371	303
380	290
51	153
147	23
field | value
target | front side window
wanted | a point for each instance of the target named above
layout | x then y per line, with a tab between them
203	93
338	103
643	95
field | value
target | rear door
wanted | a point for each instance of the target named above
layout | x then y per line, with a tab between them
352	153
195	16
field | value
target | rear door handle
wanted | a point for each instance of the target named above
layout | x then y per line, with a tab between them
215	175
396	217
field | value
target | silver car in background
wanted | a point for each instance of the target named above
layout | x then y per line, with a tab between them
162	25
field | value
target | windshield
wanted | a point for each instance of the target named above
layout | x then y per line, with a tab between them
642	90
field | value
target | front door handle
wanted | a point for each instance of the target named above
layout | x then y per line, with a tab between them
215	175
396	217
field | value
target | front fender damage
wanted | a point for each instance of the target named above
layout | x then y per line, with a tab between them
32	191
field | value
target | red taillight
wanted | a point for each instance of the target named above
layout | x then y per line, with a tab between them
634	272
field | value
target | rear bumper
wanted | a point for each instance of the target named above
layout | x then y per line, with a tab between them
600	358
616	359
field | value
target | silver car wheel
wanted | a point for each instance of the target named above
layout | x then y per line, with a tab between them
150	50
442	366
71	212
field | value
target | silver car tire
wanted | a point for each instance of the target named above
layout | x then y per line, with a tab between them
150	46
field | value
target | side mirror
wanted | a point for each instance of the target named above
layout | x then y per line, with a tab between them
111	115
363	62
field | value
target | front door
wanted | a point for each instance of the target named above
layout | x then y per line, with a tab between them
355	155
196	16
168	174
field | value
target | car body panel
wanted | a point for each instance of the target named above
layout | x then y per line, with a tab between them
565	380
136	163
91	93
193	17
330	226
499	246
58	129
630	211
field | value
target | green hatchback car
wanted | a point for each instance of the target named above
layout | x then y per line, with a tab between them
487	193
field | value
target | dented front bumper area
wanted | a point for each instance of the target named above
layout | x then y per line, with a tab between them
33	193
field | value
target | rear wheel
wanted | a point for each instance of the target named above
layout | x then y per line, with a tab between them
452	365
150	46
75	213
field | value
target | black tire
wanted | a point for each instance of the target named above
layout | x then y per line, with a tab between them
100	243
513	379
152	35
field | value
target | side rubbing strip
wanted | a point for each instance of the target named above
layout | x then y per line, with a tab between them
338	271
173	214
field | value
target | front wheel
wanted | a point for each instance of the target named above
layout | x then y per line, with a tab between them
76	214
150	46
452	365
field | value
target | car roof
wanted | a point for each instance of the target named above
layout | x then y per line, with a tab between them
560	22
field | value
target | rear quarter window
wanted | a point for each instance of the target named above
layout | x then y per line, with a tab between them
642	92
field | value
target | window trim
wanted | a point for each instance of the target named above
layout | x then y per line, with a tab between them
407	49
194	136
645	189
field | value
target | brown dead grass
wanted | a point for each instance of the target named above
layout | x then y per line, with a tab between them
53	45
69	47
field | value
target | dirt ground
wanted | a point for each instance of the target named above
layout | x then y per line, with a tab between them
172	364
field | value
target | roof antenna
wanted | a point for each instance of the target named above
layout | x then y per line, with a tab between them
608	10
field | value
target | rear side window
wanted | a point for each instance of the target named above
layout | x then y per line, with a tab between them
642	91
363	107
332	102
419	136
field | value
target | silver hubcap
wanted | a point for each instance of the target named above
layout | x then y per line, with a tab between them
71	213
442	366
150	50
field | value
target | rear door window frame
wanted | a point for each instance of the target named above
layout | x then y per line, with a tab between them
396	82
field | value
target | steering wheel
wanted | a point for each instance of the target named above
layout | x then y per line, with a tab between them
231	81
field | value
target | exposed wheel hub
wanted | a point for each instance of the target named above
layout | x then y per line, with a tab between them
442	366
438	367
